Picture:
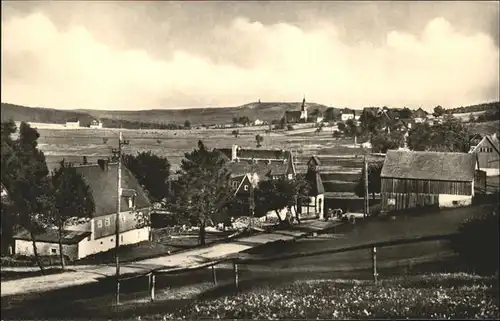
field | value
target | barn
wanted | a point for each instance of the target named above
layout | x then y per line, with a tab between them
411	179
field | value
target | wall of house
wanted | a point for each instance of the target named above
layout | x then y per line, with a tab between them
488	158
447	200
88	247
315	208
345	117
397	185
23	247
105	225
400	194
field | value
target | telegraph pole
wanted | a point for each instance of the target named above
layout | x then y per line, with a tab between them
121	142
366	199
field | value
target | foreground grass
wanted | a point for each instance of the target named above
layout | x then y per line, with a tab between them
435	296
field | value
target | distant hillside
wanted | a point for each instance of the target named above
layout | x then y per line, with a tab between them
475	108
41	115
268	111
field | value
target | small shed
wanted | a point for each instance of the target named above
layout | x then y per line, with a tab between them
413	179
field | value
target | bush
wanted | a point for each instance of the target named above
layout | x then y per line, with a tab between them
289	127
477	243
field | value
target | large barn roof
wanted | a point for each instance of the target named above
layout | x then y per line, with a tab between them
429	165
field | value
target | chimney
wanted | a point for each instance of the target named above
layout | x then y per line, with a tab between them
234	152
103	164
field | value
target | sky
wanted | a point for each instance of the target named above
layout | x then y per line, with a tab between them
136	55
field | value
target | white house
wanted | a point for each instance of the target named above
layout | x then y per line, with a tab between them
97	234
258	122
73	123
347	114
96	124
487	152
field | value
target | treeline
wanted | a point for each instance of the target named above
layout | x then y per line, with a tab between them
131	124
41	115
488	115
476	108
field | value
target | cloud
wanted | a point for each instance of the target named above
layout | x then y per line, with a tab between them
43	65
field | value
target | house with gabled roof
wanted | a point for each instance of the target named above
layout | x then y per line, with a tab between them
97	234
315	208
488	154
420	115
411	179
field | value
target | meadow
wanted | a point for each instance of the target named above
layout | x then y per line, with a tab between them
73	144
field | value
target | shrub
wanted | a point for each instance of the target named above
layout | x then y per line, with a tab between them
477	243
289	127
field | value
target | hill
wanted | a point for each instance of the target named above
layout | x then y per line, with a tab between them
475	108
267	111
41	115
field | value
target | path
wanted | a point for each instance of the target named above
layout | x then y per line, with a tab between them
189	259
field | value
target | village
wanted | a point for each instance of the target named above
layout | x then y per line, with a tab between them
257	192
202	160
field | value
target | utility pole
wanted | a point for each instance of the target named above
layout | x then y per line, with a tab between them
121	142
251	203
366	199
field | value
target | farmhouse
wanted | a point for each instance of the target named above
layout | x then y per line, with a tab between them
297	116
488	155
418	179
420	115
97	234
96	124
73	123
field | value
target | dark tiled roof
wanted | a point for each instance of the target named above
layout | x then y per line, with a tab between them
262	153
226	152
52	236
429	165
103	186
261	168
317	187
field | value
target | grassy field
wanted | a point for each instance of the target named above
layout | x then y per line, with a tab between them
73	144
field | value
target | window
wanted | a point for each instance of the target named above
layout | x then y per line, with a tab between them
107	221
131	202
111	239
455	202
121	238
123	218
99	223
53	251
235	184
246	187
290	176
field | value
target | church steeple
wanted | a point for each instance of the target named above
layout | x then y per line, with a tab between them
303	108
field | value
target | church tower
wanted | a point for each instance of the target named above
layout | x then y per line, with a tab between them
303	110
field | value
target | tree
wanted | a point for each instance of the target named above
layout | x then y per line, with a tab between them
276	194
341	127
187	124
382	142
25	176
73	201
319	127
203	190
449	136
235	133
315	113
472	118
438	111
259	139
152	172
374	180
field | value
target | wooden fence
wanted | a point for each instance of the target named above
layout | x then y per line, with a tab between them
248	259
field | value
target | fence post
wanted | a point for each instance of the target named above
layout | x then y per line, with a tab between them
214	275
152	286
374	264
235	266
